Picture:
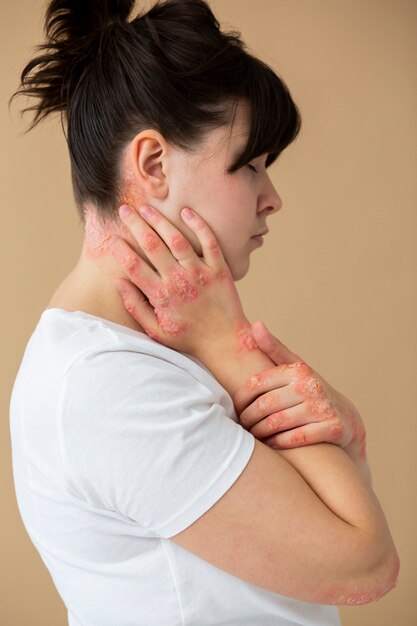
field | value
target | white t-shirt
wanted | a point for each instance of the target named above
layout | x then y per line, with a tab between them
119	443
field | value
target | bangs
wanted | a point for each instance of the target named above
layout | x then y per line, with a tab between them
275	118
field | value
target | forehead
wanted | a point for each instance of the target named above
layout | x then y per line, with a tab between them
232	138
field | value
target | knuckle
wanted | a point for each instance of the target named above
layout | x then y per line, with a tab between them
264	403
162	298
214	248
299	438
132	264
313	386
179	243
302	368
151	242
321	407
183	287
202	277
279	419
254	382
273	422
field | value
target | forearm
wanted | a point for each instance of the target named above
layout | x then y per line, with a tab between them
336	480
357	455
233	366
233	362
356	449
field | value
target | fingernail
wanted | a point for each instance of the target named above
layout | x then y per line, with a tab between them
124	210
146	211
188	214
113	240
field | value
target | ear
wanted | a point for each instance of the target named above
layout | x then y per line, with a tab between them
148	161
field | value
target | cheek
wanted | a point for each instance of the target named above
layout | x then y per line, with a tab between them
224	202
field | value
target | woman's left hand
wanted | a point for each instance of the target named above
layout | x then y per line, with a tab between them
291	405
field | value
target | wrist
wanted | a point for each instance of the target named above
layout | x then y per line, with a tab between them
234	357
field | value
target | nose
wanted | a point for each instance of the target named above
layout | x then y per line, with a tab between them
269	200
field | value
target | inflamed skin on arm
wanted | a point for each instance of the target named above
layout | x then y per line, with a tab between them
332	475
208	322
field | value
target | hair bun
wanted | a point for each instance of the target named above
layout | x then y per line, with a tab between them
68	19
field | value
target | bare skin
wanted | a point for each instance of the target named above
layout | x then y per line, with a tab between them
290	385
290	405
178	287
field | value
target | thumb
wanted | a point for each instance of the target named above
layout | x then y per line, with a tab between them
272	347
138	306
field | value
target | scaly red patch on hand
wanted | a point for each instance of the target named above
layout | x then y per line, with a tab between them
151	242
179	243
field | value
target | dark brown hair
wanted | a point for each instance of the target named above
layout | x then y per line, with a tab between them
171	69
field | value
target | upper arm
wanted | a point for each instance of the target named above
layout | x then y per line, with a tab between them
272	530
141	436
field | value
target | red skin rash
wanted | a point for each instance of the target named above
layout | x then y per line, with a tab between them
357	596
99	230
256	381
245	338
168	325
98	233
179	243
202	278
162	299
317	400
151	243
183	287
323	406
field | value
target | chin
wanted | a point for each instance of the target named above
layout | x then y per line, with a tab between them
239	271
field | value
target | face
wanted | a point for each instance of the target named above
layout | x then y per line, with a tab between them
235	206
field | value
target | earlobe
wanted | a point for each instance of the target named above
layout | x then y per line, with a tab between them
149	152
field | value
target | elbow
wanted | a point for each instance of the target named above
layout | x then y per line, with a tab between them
378	580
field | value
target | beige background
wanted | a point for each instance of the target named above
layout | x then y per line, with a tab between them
335	279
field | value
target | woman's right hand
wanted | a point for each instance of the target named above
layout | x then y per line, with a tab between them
188	302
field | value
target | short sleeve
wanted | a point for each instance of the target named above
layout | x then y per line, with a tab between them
145	438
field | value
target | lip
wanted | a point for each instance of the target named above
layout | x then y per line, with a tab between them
260	237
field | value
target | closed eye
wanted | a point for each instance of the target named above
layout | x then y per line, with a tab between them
252	167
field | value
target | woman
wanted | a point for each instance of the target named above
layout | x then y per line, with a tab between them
153	497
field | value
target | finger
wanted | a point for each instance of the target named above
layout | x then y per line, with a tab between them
268	403
212	252
137	270
139	308
318	432
149	241
269	344
267	380
179	246
280	421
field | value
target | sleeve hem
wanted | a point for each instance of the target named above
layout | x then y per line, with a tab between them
243	451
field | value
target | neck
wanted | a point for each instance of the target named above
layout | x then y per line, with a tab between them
90	287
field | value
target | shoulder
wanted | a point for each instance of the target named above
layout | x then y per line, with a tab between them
103	350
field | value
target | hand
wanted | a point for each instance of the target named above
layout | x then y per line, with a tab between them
181	300
290	405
